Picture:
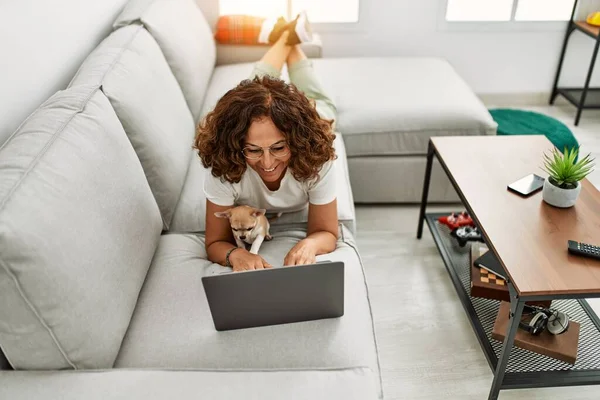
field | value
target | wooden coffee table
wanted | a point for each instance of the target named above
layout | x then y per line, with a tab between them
529	237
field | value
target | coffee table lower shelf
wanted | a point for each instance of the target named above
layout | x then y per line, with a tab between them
525	369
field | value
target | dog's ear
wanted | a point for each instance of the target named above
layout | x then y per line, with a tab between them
258	212
223	214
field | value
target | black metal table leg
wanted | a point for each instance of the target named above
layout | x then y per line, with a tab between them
570	30
516	310
430	154
587	81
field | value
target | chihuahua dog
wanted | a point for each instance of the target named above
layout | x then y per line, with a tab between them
249	225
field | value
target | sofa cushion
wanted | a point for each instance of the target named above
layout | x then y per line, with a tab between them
326	384
135	77
190	213
185	38
400	104
41	45
78	230
172	326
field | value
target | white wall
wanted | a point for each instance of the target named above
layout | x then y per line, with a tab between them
491	62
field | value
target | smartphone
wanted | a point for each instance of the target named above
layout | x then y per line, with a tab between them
527	185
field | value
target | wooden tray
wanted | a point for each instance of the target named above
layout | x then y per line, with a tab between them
562	347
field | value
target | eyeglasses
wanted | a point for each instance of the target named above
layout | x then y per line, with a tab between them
277	150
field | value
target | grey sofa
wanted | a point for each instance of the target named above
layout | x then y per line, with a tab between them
102	220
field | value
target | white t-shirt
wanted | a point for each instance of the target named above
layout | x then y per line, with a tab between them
291	196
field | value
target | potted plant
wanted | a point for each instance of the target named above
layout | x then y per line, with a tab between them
565	172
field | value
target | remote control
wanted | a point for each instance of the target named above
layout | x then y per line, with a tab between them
584	249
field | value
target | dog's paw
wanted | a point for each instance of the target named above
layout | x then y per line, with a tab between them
268	237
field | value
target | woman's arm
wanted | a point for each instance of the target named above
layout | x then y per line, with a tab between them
323	226
321	236
219	240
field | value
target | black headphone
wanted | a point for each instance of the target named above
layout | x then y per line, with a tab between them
556	322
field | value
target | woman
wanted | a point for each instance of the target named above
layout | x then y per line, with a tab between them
268	146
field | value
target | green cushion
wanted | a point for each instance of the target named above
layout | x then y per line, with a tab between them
519	122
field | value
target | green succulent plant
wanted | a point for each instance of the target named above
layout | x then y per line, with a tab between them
564	169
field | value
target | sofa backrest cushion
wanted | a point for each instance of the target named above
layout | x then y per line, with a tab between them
43	44
135	77
185	38
78	230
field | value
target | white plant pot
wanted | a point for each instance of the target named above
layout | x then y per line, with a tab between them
559	197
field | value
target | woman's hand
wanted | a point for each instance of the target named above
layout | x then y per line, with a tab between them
243	260
304	252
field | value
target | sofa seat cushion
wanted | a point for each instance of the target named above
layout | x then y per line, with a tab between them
190	213
400	103
172	325
78	230
326	384
134	75
185	38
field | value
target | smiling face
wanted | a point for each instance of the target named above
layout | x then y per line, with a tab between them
263	133
263	111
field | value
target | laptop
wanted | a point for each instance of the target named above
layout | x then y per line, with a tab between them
275	296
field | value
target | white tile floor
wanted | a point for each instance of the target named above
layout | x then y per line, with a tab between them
427	347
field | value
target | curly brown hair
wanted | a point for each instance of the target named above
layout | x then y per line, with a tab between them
221	134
